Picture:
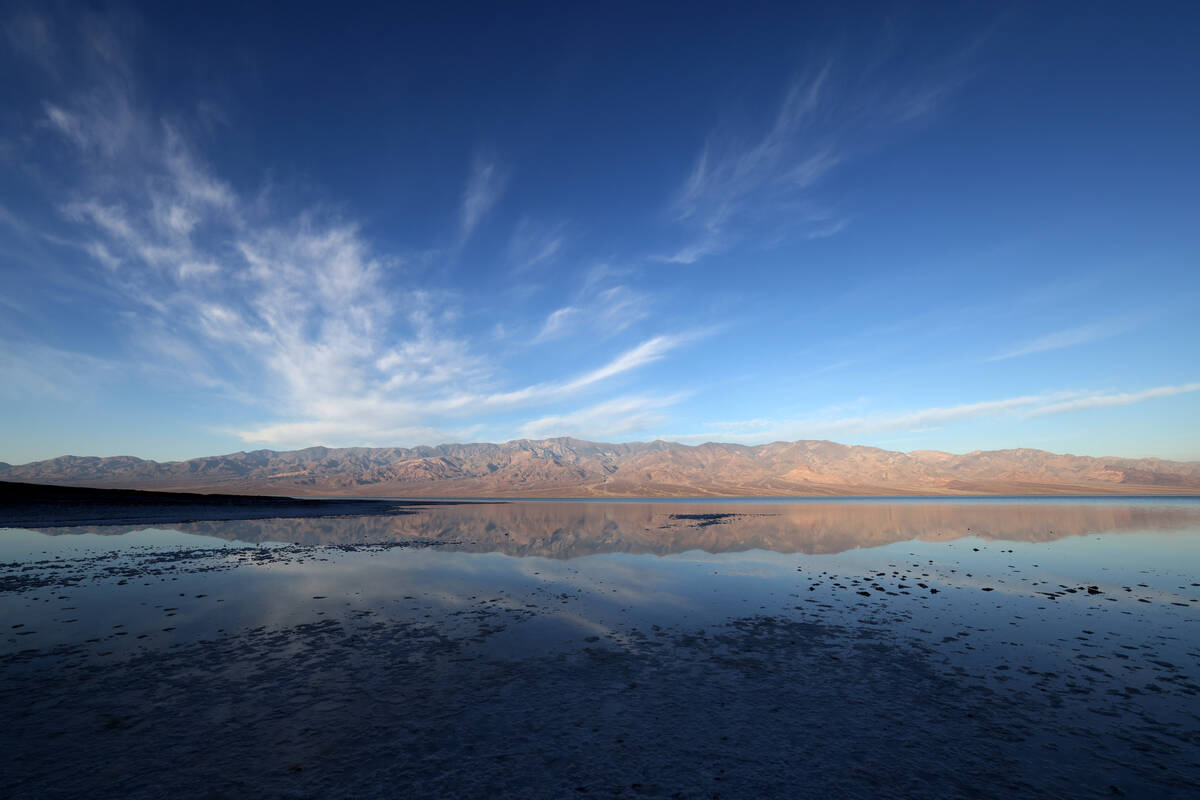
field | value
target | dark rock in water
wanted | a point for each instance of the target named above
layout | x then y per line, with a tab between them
715	518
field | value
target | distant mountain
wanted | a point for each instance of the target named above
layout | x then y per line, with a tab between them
572	468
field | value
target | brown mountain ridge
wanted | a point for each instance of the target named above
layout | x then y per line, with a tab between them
565	467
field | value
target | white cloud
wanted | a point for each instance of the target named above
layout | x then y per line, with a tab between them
36	370
601	312
708	245
769	181
832	228
1020	407
1115	399
753	179
618	307
648	352
485	185
611	418
533	245
190	182
430	359
100	121
197	269
557	324
100	252
298	315
298	308
372	417
301	309
923	418
67	124
780	156
356	433
1067	338
110	218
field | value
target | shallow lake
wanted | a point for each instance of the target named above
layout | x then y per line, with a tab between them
542	649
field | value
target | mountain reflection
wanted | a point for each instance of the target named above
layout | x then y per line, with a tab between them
570	529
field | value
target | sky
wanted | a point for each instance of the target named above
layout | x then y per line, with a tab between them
950	226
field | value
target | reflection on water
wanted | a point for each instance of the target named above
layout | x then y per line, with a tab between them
942	647
572	529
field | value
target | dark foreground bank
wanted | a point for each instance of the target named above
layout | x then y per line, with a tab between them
31	505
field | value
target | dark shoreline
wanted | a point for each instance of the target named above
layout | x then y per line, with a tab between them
32	505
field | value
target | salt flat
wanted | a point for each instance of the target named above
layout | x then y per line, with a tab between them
927	648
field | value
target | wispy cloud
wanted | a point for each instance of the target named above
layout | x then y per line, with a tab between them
533	244
1018	407
712	242
648	352
728	181
601	312
303	303
771	181
1112	399
558	323
485	185
832	228
612	418
36	370
361	432
223	291
909	420
67	124
1069	337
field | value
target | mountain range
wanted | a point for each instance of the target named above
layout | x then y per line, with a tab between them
564	467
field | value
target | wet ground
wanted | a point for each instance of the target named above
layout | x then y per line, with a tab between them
660	650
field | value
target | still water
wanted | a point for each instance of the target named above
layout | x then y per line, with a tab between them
861	648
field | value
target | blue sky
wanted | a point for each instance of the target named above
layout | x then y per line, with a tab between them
953	226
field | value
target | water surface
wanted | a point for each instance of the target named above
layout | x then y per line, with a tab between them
871	648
